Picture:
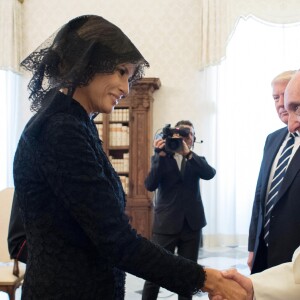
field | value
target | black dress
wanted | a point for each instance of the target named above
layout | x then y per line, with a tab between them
80	242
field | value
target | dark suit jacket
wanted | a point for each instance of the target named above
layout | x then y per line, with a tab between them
178	196
285	215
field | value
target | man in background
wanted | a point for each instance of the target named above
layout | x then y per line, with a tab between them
274	228
282	281
178	210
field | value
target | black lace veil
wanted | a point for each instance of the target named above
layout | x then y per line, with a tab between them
81	48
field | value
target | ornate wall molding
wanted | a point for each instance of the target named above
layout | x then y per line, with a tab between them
219	18
142	92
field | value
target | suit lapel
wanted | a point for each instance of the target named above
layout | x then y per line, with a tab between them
273	146
290	174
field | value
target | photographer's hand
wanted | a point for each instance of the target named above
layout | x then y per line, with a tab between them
159	145
185	149
186	145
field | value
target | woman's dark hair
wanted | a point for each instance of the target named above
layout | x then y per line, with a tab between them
72	56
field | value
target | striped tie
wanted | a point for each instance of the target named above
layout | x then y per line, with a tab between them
276	182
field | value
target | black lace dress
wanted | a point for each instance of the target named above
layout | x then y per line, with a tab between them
80	242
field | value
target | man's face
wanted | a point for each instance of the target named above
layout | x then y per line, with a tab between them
292	103
278	96
189	140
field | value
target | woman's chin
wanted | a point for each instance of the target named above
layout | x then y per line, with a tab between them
107	110
111	110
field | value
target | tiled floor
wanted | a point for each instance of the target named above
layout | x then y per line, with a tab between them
219	258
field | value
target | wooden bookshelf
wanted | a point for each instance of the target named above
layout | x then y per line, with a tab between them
127	140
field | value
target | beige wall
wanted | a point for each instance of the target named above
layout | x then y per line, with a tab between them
165	31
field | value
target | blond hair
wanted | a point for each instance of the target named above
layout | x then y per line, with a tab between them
285	76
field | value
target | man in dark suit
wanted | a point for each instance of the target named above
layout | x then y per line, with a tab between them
178	210
282	231
282	281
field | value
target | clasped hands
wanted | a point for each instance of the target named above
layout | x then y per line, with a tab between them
227	285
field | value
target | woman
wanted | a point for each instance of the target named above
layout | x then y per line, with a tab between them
79	239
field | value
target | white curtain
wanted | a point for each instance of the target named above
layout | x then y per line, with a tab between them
10	53
219	18
9	93
240	90
10	34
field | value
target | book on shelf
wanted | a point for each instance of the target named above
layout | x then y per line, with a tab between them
120	115
121	165
99	118
118	134
125	183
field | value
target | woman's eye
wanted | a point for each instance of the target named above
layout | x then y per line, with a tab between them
122	72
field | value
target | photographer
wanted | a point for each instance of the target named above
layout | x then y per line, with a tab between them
178	212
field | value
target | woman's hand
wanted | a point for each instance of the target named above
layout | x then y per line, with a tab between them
220	288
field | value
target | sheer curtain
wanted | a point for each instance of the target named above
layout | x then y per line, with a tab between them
11	49
244	115
10	34
9	93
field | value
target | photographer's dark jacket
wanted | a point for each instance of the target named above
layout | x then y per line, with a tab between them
178	196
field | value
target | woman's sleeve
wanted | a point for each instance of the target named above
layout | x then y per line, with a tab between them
16	239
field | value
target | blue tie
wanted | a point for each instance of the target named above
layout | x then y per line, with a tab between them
276	182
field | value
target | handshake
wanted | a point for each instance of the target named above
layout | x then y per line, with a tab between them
227	285
276	283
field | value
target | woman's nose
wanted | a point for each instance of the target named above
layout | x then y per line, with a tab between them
124	87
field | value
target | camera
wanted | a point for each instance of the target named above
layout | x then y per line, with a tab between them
174	144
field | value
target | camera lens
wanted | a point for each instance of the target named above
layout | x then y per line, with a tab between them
173	144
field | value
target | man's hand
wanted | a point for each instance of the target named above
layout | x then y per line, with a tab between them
219	287
250	260
242	280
